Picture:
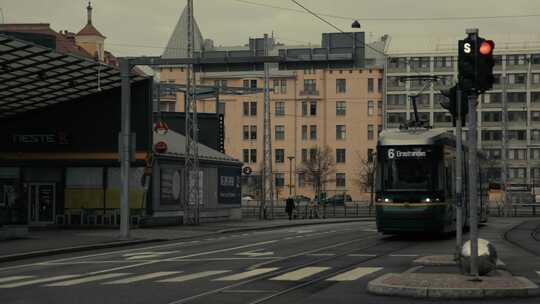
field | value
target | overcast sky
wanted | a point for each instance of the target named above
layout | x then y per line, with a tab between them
143	27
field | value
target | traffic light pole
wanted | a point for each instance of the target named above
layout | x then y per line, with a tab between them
473	198
459	177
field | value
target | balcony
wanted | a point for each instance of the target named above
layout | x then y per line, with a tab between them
309	93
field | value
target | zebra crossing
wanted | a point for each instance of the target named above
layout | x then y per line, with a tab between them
168	277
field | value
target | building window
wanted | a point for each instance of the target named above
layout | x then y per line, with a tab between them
304	132
253	130
535	115
491	116
280	179
517	116
420	62
370	155
443	62
250	108
340	156
396	118
379	108
313	108
379	85
280	86
517	78
370	107
340	132
535	78
491	135
535	96
516	134
398	62
301	179
370	85
245	132
370	132
304	108
493	154
283	88
246	155
304	155
220	83
517	154
535	154
280	132
340	180
280	108
518	97
517	172
341	108
313	132
310	86
341	86
515	59
250	155
280	155
312	154
396	100
535	134
443	117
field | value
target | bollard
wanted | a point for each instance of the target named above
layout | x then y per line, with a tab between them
487	257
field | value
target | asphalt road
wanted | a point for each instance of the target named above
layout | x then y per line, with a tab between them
329	263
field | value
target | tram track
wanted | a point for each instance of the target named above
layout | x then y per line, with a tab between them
534	235
230	288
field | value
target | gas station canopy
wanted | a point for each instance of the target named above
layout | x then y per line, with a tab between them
33	77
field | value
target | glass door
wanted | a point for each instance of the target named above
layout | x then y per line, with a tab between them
41	203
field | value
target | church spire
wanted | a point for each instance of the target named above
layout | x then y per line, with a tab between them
89	12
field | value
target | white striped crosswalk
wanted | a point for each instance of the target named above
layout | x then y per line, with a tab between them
299	274
174	277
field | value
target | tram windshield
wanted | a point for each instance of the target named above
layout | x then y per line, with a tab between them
410	170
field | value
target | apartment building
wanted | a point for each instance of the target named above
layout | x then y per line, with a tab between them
336	107
516	89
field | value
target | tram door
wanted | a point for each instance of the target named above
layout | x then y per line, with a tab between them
41	203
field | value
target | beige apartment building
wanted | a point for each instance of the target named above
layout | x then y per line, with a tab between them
310	109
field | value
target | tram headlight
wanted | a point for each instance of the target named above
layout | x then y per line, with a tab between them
427	200
387	200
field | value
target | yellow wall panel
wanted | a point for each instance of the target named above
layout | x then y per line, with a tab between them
83	198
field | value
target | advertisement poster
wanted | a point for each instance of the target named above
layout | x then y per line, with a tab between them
229	186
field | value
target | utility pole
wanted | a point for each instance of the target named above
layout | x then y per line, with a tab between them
459	175
268	183
125	147
473	167
504	177
191	172
290	174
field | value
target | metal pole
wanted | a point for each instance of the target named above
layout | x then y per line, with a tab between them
267	138
473	167
459	178
504	177
125	147
290	175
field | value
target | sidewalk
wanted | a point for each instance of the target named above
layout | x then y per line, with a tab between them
50	242
438	276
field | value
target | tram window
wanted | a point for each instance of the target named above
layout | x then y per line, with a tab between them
408	174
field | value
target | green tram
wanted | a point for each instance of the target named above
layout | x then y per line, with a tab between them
415	182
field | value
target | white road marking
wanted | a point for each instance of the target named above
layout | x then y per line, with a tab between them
403	255
246	291
225	259
123	267
362	255
143	277
149	252
15	278
194	276
37	281
247	274
354	274
221	250
87	279
299	274
256	253
538	272
321	254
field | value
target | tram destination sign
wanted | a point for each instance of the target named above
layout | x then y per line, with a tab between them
414	153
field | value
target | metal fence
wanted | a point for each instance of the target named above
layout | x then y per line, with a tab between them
516	210
306	211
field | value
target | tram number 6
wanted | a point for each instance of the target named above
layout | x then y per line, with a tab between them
391	154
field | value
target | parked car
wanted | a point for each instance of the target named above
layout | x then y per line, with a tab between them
337	200
301	200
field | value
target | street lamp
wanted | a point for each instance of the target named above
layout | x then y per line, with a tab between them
290	174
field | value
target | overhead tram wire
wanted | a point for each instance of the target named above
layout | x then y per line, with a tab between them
397	19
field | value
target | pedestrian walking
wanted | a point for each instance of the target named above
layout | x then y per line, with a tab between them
289	207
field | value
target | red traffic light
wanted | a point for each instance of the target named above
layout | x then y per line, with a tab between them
486	47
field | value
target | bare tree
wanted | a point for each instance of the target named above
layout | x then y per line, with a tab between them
366	178
319	169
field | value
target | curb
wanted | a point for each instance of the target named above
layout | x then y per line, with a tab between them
378	287
231	230
44	253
